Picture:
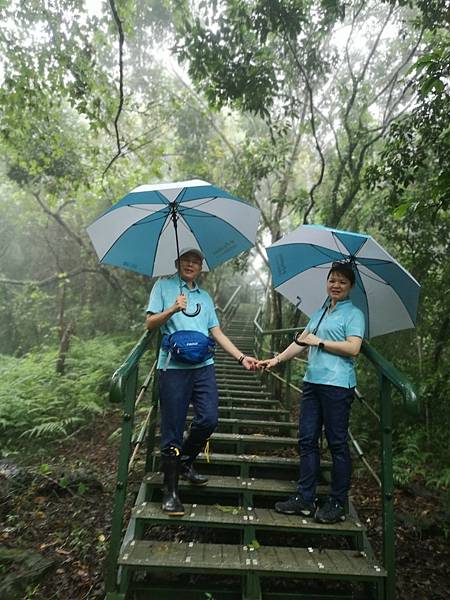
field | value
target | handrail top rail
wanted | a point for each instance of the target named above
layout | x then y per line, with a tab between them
120	376
398	380
230	300
387	369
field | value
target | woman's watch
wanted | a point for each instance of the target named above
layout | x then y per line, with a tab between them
321	345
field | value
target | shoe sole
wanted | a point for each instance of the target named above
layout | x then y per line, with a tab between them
325	522
173	513
196	484
292	512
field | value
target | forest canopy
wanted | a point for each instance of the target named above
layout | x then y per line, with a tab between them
314	111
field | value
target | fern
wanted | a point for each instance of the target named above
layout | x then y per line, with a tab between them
37	402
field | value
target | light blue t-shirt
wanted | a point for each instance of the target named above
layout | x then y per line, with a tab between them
163	296
327	368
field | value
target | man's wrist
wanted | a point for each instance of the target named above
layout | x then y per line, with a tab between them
321	345
241	359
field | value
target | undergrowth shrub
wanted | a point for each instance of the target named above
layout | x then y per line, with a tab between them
36	401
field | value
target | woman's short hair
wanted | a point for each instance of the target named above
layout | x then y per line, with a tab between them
345	269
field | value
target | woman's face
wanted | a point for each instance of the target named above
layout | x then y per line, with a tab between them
338	286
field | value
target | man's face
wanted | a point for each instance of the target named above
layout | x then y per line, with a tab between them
190	266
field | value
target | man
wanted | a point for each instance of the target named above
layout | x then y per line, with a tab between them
181	383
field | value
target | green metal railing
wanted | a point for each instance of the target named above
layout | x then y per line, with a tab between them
125	390
389	377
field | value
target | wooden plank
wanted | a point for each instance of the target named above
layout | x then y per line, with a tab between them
238	517
235	485
237	559
256	439
252	439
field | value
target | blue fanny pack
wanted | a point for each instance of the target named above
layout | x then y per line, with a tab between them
191	347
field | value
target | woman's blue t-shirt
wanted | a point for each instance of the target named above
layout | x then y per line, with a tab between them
337	325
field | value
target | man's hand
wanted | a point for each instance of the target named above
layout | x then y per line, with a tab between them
250	363
180	303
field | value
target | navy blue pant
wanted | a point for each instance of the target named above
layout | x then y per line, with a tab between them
328	406
177	389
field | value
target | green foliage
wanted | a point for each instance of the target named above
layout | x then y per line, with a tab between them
236	53
417	148
37	402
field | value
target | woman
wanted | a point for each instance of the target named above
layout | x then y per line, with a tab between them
334	336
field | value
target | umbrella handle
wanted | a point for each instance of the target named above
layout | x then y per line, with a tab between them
195	313
296	340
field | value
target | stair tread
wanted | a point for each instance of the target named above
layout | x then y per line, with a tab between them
253	459
253	438
232	516
252	410
266	560
255	422
221	458
234	485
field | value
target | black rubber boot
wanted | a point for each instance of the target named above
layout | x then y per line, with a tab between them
170	466
188	473
191	448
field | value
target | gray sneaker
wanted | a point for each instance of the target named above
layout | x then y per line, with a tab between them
296	505
330	512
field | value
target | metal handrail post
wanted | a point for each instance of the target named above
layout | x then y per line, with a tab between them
122	479
387	483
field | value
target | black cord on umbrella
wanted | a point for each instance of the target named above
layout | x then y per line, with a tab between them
174	217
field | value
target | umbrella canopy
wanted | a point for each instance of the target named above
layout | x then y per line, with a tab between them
386	293
144	231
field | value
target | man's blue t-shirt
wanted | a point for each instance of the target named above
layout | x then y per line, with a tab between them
163	296
337	325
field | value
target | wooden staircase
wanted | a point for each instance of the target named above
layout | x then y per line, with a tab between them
231	543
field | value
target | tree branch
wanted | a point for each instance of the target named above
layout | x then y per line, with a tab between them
121	97
312	121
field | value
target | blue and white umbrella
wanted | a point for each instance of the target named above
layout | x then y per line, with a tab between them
386	293
144	231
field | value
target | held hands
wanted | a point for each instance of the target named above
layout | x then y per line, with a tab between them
268	364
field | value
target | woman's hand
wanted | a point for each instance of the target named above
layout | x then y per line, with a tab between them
311	340
267	364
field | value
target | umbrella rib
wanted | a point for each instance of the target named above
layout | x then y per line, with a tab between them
379	280
125	231
139	206
186	224
334	237
162	230
362	288
209	216
207	201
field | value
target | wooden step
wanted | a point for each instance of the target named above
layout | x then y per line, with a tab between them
252	412
237	517
279	462
240	439
238	401
230	559
241	423
234	485
243	393
239	384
